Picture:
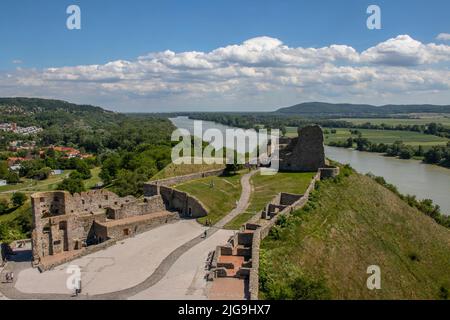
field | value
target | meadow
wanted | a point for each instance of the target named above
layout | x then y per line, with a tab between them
218	194
265	188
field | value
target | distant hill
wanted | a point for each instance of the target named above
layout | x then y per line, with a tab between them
49	112
351	225
322	109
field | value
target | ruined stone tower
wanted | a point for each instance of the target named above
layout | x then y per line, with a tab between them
305	153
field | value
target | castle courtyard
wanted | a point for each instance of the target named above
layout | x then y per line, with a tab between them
130	262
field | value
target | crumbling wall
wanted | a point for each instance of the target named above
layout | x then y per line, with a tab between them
64	222
305	153
180	201
131	209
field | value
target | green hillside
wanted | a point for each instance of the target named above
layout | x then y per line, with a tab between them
354	110
48	112
324	250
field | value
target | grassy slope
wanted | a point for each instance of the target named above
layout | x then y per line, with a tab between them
358	223
220	199
383	136
265	188
173	170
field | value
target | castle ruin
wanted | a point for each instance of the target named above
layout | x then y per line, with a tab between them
68	226
305	153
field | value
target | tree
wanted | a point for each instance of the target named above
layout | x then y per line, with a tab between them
110	168
3	169
73	185
18	199
12	178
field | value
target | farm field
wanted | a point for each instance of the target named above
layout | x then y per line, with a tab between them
218	194
381	136
265	188
445	120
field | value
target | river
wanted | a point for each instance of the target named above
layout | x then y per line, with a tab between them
410	176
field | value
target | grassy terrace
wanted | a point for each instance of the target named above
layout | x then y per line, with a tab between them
265	188
382	136
219	194
173	170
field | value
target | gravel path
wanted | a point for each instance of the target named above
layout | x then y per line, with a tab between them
243	203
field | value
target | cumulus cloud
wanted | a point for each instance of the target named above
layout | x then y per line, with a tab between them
258	66
405	51
443	37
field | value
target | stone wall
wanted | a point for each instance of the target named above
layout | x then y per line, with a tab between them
133	227
130	209
262	231
287	199
182	202
63	222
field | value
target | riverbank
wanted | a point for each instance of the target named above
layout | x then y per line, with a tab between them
412	177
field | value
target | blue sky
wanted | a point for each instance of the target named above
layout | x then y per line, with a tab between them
35	37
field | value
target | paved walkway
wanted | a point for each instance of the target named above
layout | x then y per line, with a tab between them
14	291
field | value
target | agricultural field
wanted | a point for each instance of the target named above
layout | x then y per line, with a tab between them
218	194
381	136
265	188
445	120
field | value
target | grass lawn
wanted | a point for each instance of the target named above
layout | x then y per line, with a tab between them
381	136
351	225
30	185
219	199
395	121
265	188
90	183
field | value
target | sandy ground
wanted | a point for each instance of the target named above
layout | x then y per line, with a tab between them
186	278
118	267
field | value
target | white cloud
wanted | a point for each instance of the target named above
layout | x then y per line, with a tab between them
443	37
405	51
258	70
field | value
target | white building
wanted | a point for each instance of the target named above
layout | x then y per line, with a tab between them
3	183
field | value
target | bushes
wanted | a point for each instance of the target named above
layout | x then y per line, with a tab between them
18	199
425	206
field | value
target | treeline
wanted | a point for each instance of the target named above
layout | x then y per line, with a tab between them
425	206
273	120
439	155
